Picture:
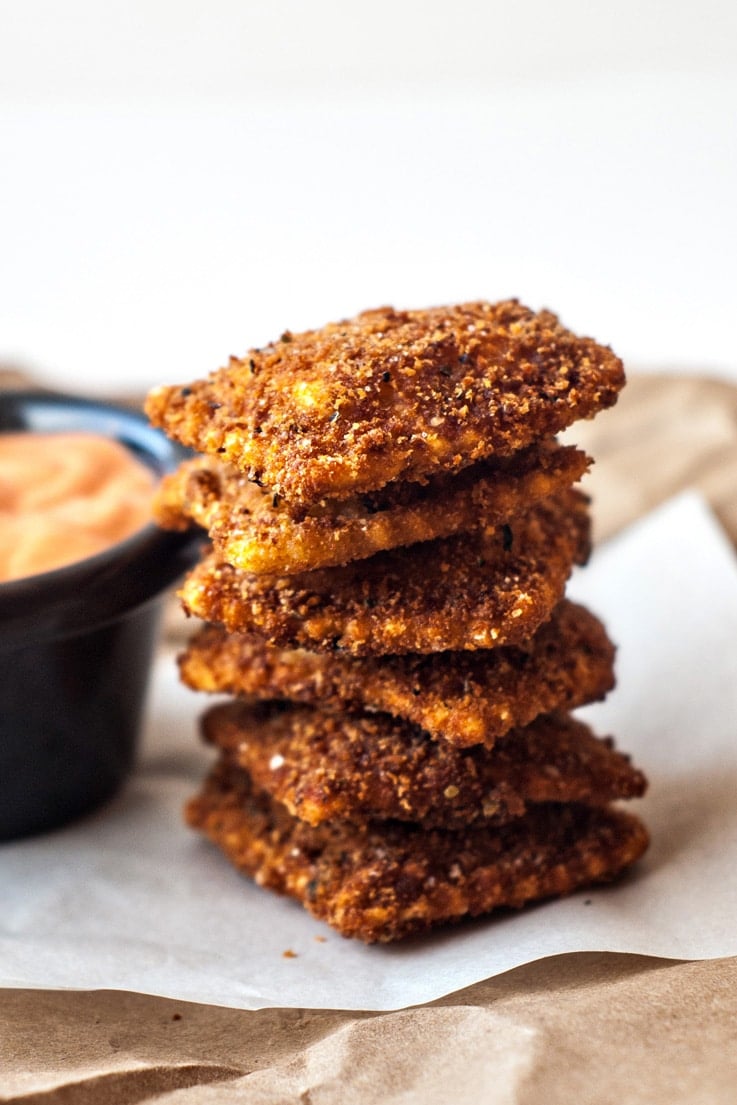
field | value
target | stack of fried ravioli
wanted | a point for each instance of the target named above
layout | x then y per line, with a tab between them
392	525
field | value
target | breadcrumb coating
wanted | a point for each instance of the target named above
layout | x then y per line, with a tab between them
483	589
386	880
328	768
256	531
393	525
391	395
464	697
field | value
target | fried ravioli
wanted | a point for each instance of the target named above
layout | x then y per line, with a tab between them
387	880
391	395
322	767
256	531
392	524
483	589
466	698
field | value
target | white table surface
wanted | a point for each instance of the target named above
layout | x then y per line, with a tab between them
147	234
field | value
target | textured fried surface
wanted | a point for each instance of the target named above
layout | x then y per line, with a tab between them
477	590
465	697
326	768
256	531
389	880
389	395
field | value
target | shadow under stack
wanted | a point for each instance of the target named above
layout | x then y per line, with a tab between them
392	526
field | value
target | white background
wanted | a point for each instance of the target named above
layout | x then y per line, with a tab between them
180	180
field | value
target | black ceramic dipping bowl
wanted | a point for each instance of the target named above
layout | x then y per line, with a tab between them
76	643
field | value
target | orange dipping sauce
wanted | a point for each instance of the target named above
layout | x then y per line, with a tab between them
64	497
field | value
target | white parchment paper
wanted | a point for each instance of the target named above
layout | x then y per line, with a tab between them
131	899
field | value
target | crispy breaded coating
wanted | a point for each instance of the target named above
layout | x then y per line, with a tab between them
391	395
478	590
464	697
388	880
323	767
256	531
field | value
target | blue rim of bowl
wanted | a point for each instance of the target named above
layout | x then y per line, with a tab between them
88	593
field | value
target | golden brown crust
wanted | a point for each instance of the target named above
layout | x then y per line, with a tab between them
464	697
391	395
328	768
254	530
477	590
387	880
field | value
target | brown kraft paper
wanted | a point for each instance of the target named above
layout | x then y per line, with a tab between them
590	1028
